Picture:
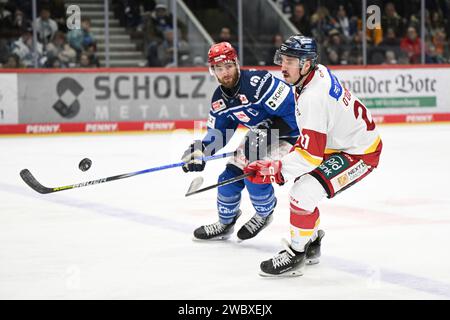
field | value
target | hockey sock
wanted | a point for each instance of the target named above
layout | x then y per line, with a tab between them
304	226
262	197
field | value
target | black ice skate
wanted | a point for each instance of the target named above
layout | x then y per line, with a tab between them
313	252
285	264
252	227
216	231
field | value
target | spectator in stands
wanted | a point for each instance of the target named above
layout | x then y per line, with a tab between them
91	52
391	19
390	57
4	50
321	23
58	10
132	13
80	39
344	24
441	44
23	48
277	41
411	45
5	19
333	57
162	19
60	49
45	26
153	59
167	50
198	61
19	24
224	35
85	61
54	63
390	40
356	49
12	62
300	20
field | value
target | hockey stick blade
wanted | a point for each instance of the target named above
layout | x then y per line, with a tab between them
31	181
195	185
225	182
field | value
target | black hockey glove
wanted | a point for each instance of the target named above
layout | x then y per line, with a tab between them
191	157
258	140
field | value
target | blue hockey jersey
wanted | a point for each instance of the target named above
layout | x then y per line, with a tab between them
257	96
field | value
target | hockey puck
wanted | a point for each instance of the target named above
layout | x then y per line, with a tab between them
85	164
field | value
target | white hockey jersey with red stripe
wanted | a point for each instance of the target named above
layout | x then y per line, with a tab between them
331	119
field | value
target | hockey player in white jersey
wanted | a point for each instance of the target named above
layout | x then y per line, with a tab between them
338	146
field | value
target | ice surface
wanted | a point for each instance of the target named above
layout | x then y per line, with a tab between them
386	238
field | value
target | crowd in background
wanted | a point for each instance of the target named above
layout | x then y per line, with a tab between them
337	26
56	47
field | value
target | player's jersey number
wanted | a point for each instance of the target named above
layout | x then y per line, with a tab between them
359	110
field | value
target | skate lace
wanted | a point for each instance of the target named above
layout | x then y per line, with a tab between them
255	223
284	257
215	228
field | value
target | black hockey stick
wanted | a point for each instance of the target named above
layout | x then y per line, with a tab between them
32	182
192	190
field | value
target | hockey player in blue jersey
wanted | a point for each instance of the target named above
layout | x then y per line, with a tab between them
266	106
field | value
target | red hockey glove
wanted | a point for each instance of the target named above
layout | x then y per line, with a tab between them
265	171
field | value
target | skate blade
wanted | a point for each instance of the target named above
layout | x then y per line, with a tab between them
311	262
222	238
289	274
284	275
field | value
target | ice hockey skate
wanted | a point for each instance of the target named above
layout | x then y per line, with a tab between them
285	264
313	251
252	227
216	231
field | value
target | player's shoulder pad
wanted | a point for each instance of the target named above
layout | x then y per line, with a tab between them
278	94
328	82
217	101
256	83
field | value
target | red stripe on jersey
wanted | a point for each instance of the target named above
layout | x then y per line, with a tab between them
304	221
372	158
312	141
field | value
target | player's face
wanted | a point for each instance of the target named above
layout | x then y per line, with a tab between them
290	68
227	74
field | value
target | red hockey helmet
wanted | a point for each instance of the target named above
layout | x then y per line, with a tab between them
221	52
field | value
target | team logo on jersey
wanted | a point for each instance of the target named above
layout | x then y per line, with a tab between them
278	96
243	98
218	105
343	180
254	81
261	84
211	121
242	116
253	112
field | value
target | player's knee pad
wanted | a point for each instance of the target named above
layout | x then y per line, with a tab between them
306	193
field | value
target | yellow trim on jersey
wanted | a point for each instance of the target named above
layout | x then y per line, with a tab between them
315	161
330	151
374	146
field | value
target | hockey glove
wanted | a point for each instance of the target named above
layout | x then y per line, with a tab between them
193	157
258	140
265	171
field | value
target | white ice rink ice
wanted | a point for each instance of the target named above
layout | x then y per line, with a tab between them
386	238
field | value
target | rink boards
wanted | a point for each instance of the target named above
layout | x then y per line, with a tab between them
41	101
